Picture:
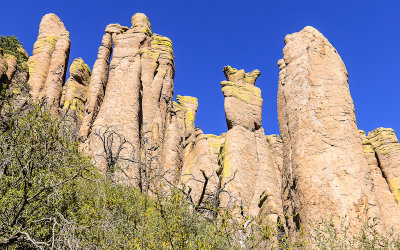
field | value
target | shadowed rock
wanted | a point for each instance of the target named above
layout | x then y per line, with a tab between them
387	148
388	208
3	64
97	84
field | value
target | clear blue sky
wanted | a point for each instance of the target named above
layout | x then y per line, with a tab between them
208	35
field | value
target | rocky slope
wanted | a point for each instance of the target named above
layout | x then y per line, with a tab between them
128	123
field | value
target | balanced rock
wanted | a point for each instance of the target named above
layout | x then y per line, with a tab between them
247	166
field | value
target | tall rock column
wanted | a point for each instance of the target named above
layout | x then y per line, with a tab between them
48	64
97	84
75	91
158	69
137	100
324	169
246	162
120	109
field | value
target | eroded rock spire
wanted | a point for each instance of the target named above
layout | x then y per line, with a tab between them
246	160
325	172
48	64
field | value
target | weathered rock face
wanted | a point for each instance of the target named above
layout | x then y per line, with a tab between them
179	138
247	162
48	64
137	100
12	65
97	85
388	208
75	90
387	148
129	124
324	169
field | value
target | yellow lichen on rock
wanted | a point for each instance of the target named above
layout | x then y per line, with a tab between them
141	24
240	76
189	105
247	93
162	45
75	90
387	148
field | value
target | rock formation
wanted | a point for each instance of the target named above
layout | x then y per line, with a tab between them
387	148
3	64
74	92
324	169
97	84
388	208
48	64
137	100
247	162
132	129
13	68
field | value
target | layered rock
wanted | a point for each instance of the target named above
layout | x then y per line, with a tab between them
388	208
246	161
179	138
387	148
97	84
48	63
137	100
75	90
129	124
325	172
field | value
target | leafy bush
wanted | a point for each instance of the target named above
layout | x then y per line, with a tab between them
51	196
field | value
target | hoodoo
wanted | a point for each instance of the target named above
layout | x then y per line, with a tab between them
321	166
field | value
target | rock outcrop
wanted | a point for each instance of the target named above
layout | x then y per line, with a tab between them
325	172
388	208
387	148
13	67
3	64
74	93
134	132
97	84
247	163
48	63
137	100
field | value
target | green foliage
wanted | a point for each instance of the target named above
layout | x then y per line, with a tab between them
53	197
12	46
